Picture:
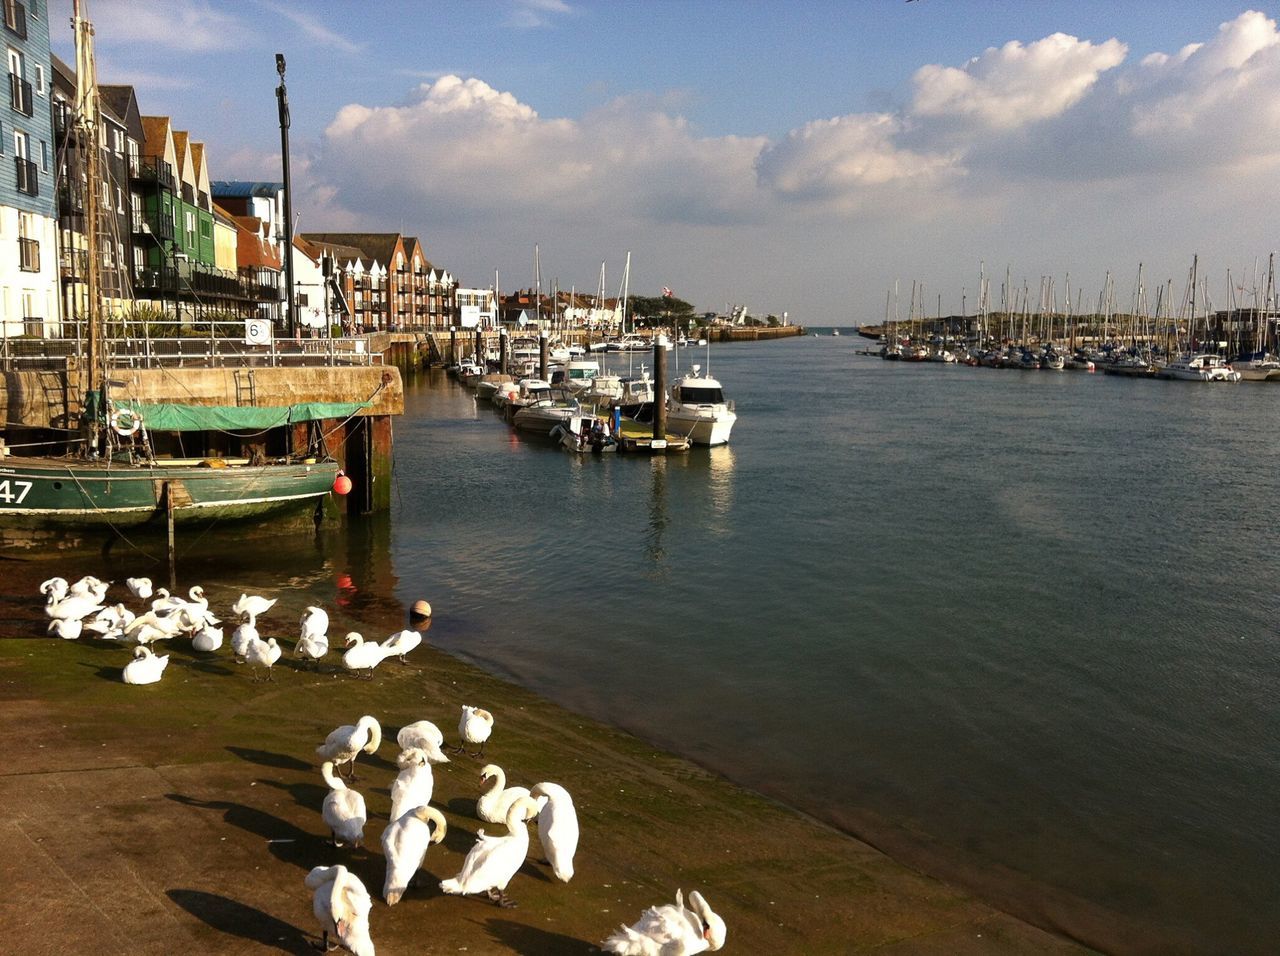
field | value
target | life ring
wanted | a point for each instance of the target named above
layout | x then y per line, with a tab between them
125	422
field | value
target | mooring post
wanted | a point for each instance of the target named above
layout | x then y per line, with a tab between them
480	350
453	345
543	348
502	351
660	387
173	556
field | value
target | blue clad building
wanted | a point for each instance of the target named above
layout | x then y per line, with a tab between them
28	165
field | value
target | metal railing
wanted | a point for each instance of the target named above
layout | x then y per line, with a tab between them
73	263
28	255
156	170
28	178
20	95
31	349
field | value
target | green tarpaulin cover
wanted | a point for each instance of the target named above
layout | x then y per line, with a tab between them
200	418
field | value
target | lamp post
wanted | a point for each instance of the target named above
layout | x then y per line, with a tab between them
282	96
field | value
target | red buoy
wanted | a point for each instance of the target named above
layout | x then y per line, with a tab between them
341	484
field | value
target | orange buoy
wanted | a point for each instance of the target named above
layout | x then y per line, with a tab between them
341	484
421	609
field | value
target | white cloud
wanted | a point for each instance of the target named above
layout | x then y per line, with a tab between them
1015	85
833	158
192	26
532	14
313	28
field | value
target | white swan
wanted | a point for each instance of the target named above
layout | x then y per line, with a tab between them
54	590
404	843
365	655
343	810
312	648
145	668
474	727
401	643
494	860
426	736
197	608
669	930
313	623
557	828
67	630
244	635
110	622
89	587
139	587
166	602
497	797
344	744
252	605
207	639
72	608
341	904
263	654
414	784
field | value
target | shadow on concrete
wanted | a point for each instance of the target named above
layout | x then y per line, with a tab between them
239	919
268	759
287	843
532	941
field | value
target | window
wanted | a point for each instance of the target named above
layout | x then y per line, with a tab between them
135	201
40	79
44	156
119	199
190	219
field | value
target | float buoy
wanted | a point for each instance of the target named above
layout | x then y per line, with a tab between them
421	609
125	422
341	484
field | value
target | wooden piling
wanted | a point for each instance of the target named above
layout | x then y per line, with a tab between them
660	387
453	345
543	349
479	347
502	351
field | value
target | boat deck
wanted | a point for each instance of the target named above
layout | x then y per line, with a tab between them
638	437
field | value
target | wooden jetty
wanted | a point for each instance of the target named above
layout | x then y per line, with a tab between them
638	437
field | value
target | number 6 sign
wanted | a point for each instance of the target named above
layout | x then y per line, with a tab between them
257	332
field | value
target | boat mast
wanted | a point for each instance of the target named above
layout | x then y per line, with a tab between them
87	122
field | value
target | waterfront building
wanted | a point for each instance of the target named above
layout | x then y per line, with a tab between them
476	308
28	213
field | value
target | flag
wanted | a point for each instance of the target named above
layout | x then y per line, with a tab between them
667	293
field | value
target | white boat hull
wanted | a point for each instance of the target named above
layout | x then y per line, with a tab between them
702	429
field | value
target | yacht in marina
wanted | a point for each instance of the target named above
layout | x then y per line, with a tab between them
697	408
1202	367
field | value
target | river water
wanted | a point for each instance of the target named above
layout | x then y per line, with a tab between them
1017	628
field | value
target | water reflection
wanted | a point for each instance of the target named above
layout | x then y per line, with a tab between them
719	488
658	519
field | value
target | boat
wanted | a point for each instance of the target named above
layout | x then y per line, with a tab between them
835	331
544	414
696	408
585	433
1257	367
1202	367
577	375
134	464
630	343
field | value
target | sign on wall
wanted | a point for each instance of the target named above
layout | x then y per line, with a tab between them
257	332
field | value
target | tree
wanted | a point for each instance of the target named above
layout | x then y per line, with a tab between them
661	310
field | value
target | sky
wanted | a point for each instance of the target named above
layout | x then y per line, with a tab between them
804	158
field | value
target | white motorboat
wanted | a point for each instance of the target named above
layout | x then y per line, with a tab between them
544	414
697	408
1258	367
1202	367
630	343
578	374
585	433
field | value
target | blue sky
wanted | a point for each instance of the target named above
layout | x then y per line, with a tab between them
789	156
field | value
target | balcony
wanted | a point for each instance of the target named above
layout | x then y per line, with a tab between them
15	19
156	171
20	95
73	263
29	255
28	179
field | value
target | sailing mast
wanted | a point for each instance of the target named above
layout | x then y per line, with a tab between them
87	119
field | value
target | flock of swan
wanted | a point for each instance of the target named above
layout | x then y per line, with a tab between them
77	609
340	901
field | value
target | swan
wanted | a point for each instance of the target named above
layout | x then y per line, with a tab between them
166	602
426	736
670	930
89	587
313	623
343	809
404	843
494	860
197	608
413	785
263	654
110	622
54	590
251	605
149	627
344	744
557	828
207	639
496	800
401	643
341	904
474	727
365	654
145	668
68	630
72	607
312	648
244	635
139	587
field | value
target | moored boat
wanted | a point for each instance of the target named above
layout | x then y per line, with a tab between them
697	408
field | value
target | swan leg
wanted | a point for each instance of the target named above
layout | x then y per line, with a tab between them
323	945
500	897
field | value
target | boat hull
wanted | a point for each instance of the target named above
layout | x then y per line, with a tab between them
702	429
52	492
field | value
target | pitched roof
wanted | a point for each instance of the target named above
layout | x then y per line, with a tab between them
379	246
153	135
253	249
222	216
